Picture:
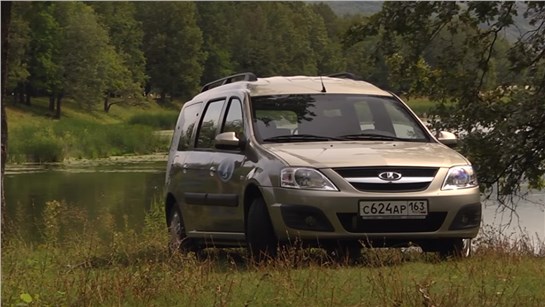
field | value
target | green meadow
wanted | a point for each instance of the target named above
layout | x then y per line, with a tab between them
79	261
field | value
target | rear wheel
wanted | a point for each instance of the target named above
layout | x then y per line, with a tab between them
179	242
260	236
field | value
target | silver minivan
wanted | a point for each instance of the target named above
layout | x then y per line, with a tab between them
331	162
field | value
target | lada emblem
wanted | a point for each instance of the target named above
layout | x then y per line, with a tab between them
389	176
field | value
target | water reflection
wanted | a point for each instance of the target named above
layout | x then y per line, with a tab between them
123	191
526	220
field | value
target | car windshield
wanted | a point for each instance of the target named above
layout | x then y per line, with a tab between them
332	117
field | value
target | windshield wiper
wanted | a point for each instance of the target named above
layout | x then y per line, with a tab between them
370	136
300	138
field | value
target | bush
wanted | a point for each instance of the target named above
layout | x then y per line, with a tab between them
78	139
35	144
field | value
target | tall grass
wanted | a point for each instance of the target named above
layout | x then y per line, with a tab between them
57	140
86	133
420	105
158	120
94	263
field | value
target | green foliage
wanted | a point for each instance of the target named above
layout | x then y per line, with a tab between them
36	144
160	121
172	46
485	90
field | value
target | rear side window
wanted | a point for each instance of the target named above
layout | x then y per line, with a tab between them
209	124
233	118
190	114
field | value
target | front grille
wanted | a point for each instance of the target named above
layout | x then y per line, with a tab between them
391	187
352	222
374	171
368	178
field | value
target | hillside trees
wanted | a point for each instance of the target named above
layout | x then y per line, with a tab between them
124	73
214	18
452	53
94	51
61	50
83	54
19	39
172	47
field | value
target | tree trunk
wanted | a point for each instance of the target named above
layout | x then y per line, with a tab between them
163	97
52	102
58	112
20	92
106	105
6	17
28	90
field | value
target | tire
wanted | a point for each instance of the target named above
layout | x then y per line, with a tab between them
178	239
260	236
345	252
454	248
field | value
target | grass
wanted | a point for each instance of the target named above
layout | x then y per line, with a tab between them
82	133
93	263
421	106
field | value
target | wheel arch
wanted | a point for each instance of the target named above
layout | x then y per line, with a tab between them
250	194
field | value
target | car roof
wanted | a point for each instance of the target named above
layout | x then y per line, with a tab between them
281	85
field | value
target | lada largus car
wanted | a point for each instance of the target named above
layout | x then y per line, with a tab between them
327	161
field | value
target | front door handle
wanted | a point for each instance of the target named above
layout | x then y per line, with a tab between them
212	171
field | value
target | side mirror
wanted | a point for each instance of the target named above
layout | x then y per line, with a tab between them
228	140
447	138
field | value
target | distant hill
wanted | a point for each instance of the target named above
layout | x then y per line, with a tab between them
342	8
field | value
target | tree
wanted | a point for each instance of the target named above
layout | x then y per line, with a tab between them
214	20
172	46
84	55
124	61
44	54
6	18
19	41
502	123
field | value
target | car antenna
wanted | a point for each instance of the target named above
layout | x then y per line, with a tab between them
323	86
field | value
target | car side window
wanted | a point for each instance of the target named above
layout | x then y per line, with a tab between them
209	124
190	114
233	119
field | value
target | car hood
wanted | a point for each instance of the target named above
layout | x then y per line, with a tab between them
368	153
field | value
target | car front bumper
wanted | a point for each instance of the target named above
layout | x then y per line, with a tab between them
326	215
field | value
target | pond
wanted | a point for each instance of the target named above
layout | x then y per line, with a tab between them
126	191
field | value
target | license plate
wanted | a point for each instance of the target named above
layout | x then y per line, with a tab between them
405	209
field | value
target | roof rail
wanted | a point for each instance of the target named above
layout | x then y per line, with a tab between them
345	75
245	76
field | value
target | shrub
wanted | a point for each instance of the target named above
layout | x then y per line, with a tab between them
35	144
78	139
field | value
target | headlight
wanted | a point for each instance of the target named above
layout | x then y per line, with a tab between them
460	177
305	178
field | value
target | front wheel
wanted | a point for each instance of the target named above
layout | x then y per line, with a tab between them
260	236
345	252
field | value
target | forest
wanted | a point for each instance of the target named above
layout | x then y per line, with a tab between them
96	50
483	86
